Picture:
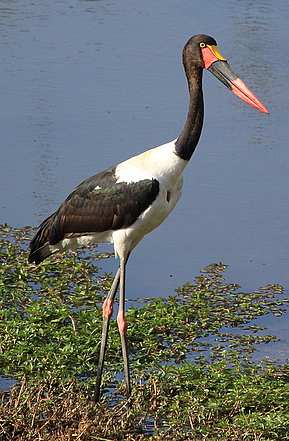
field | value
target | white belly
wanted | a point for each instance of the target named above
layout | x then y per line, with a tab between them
125	240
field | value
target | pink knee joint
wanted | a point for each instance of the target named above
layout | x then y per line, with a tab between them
107	308
122	323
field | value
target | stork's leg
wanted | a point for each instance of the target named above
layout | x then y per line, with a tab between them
107	313
122	325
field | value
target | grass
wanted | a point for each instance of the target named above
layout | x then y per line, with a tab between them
194	375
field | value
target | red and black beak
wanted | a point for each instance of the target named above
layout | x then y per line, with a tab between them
218	66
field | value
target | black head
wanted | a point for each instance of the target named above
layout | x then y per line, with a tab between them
201	52
192	50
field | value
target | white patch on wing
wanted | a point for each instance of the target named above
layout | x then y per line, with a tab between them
72	243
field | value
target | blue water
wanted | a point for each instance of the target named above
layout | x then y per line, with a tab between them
87	84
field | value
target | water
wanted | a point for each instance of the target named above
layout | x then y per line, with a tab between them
87	84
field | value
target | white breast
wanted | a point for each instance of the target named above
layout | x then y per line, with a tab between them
163	165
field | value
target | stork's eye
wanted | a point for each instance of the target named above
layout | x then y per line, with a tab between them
202	45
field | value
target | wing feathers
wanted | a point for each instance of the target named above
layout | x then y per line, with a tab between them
98	204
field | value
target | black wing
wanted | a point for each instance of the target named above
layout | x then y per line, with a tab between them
98	204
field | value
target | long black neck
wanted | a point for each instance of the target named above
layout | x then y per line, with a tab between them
188	139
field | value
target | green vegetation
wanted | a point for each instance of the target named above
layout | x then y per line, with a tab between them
194	377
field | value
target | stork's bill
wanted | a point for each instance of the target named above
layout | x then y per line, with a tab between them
218	66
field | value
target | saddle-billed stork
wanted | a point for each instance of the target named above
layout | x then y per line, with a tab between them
123	203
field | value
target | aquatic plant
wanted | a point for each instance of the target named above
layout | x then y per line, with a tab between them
195	375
